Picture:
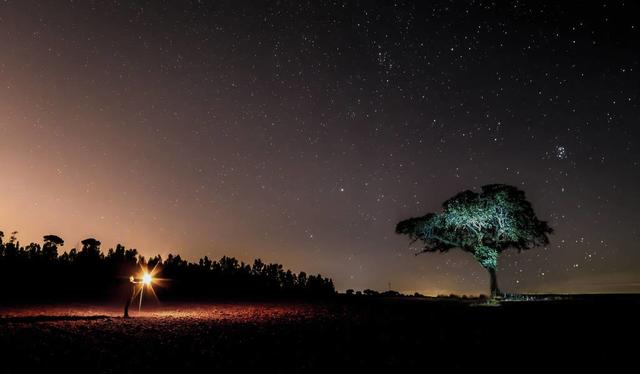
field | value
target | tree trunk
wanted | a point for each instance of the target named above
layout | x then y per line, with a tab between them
495	291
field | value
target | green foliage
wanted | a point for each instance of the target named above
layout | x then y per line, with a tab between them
486	256
483	224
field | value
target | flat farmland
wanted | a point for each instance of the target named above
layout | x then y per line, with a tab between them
344	334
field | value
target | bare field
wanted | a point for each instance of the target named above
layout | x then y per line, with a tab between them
320	337
218	312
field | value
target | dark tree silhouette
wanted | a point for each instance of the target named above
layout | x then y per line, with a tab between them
33	273
50	247
484	224
90	249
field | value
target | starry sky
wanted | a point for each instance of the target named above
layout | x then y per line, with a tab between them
301	132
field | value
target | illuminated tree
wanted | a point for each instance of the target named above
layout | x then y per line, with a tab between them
483	224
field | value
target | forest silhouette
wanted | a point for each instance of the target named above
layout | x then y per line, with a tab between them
39	273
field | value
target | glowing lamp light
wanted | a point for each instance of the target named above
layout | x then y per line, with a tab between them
145	281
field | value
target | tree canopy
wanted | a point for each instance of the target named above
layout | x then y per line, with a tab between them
484	224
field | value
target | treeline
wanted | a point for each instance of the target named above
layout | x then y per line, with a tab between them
39	273
392	293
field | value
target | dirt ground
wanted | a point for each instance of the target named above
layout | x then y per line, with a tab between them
355	334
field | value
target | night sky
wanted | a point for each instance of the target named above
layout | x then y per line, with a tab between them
302	132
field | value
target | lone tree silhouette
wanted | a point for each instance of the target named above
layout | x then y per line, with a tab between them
90	249
50	248
483	224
